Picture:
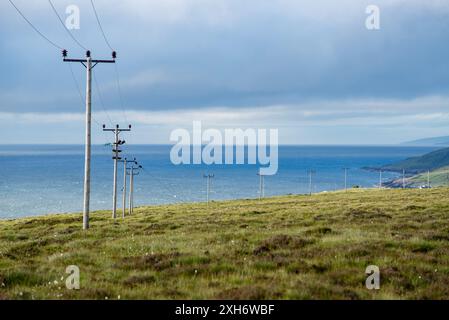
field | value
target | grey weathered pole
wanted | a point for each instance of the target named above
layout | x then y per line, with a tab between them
116	157
124	187
89	64
380	179
261	186
131	185
311	172
208	179
346	178
403	178
114	190
87	144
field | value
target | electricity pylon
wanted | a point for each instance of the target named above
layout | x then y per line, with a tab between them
89	64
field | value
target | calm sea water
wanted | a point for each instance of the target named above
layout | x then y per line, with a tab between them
37	180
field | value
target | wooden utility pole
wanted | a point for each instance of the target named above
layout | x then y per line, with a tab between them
261	186
208	184
116	151
311	172
133	171
380	179
89	64
346	178
125	163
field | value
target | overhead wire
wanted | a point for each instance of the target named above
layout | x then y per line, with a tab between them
34	28
65	28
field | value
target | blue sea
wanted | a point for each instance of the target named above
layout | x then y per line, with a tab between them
42	179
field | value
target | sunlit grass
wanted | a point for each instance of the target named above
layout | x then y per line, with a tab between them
293	247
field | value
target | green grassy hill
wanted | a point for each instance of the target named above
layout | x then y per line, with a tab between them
430	161
293	247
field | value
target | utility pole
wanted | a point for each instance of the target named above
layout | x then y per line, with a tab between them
428	178
403	178
380	179
116	150
346	178
311	172
261	186
208	184
89	64
133	171
125	173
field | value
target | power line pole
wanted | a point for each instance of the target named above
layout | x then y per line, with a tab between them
380	179
346	178
133	172
116	151
428	178
403	178
89	64
311	172
261	186
125	163
208	184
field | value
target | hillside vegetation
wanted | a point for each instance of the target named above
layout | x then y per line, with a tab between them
429	161
292	247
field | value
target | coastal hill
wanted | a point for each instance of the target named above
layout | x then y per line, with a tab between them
291	247
430	161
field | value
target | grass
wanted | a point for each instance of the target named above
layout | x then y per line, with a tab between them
292	247
438	178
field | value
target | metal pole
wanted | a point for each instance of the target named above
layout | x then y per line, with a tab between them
124	188
87	154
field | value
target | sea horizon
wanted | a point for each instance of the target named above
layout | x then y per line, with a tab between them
47	178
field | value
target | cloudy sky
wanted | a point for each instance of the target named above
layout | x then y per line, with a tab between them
309	68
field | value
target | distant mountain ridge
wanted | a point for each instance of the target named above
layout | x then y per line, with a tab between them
434	141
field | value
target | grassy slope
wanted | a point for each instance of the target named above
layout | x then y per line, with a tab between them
438	178
291	247
429	161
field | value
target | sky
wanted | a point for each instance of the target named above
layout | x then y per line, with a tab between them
310	69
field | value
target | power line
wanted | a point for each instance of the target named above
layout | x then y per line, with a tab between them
79	91
101	98
117	76
99	24
34	28
65	28
116	68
